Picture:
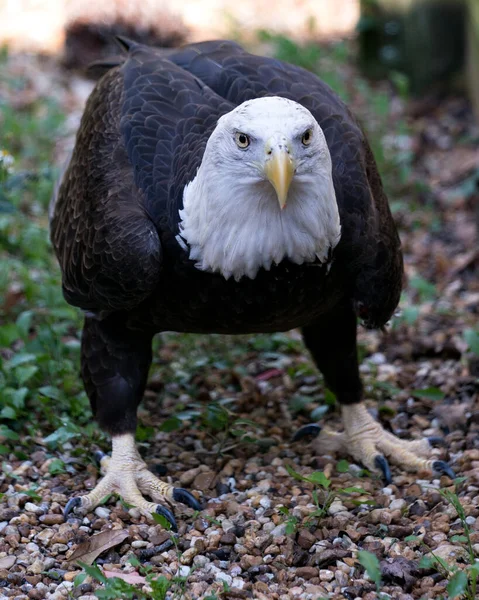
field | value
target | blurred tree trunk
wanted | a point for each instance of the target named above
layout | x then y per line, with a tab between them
424	39
473	56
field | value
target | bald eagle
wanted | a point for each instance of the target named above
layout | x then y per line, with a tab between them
214	191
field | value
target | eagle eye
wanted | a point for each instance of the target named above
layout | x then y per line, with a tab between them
242	140
307	137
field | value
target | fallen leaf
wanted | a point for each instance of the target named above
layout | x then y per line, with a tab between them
401	571
7	562
88	551
133	577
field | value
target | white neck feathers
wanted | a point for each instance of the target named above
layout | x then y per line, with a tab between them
235	227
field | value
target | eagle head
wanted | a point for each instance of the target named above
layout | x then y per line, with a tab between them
263	192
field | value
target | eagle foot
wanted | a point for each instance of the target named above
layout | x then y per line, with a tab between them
126	474
367	442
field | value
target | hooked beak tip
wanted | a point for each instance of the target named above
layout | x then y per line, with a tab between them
279	169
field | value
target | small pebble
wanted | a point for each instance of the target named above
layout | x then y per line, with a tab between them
265	502
30	507
398	504
102	512
224	577
336	507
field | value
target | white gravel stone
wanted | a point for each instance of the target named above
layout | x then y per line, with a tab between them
220	576
341	578
36	567
227	525
188	555
279	530
377	358
200	561
470	520
184	571
102	512
238	583
30	507
326	575
139	544
336	507
398	504
49	562
265	502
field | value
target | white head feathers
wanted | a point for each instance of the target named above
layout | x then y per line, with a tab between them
232	220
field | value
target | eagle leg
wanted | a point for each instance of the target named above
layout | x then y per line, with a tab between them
332	343
126	474
366	441
115	363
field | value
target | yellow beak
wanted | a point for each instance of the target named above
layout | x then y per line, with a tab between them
279	169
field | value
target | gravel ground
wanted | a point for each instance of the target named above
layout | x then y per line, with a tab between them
243	545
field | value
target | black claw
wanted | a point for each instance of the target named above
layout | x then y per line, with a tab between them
443	468
164	512
307	430
98	455
70	505
181	495
382	464
437	440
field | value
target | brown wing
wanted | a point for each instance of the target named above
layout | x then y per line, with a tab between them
107	246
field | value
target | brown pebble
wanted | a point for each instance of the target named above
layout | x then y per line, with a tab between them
418	508
376	548
201	525
307	572
413	490
15	578
306	539
24	530
232	508
261	587
353	534
380	516
228	538
51	519
188	477
200	545
399	531
205	481
247	561
13	540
